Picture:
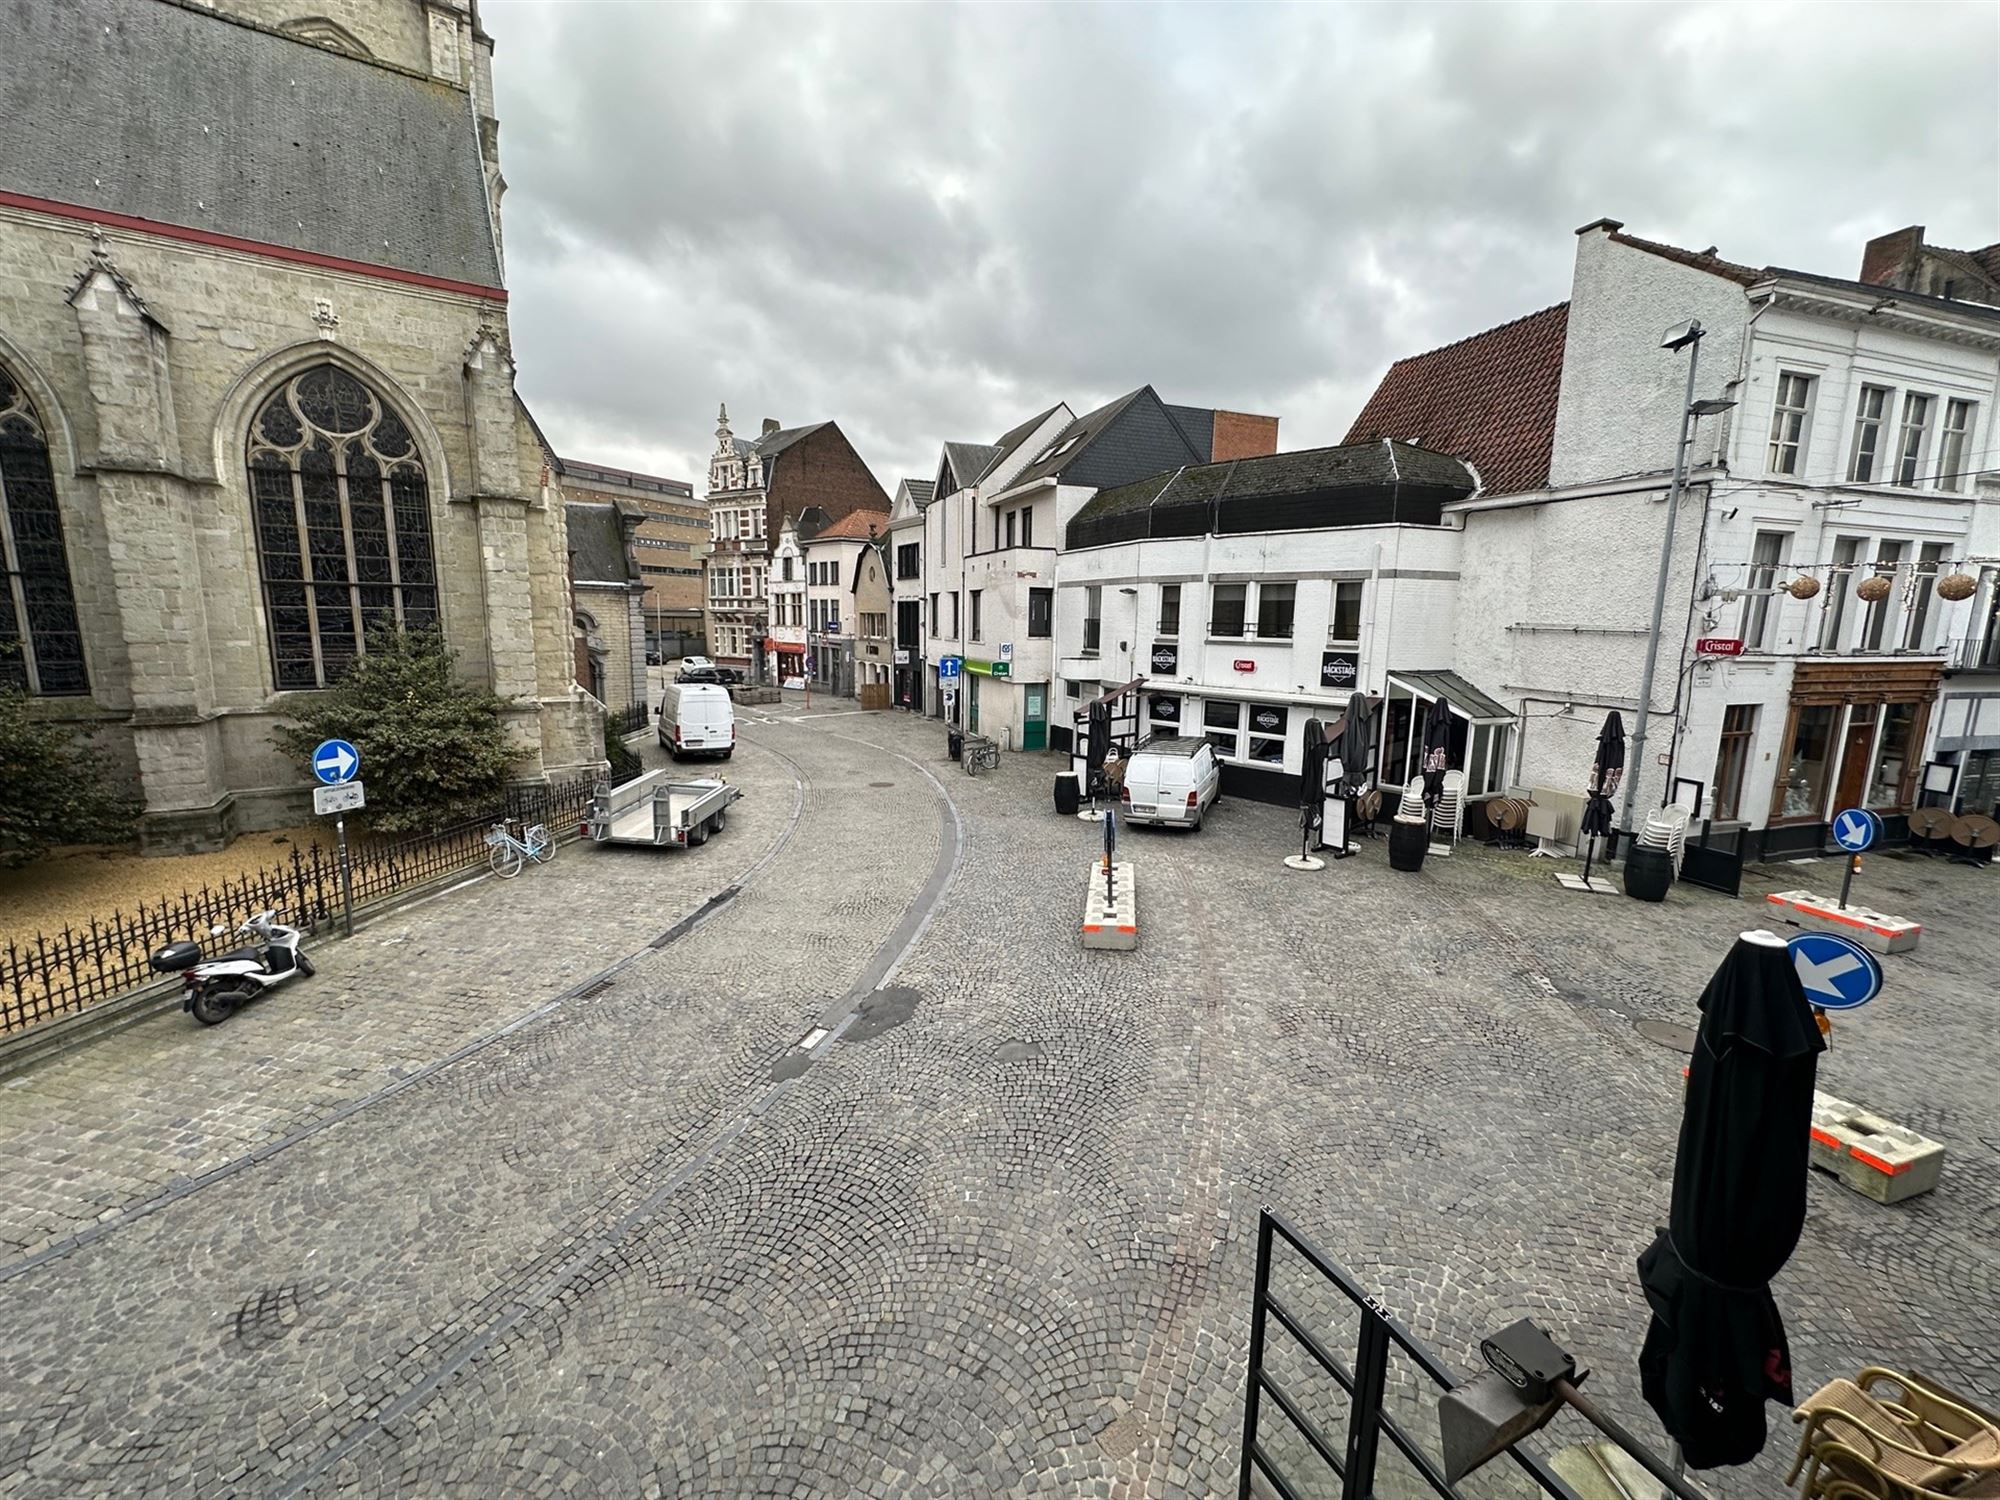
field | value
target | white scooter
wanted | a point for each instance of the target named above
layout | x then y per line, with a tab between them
217	986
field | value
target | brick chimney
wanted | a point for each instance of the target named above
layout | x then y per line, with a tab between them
770	426
1890	259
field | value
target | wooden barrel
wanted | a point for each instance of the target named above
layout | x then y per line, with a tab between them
1648	872
1068	796
1407	843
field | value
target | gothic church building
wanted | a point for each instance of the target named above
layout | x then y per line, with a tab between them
256	392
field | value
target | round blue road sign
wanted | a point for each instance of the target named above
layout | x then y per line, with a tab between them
335	761
1855	828
1836	972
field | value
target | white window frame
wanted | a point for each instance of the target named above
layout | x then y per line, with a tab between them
1759	608
1360	587
1955	443
1909	459
1791	424
1254	628
1249	616
1872	424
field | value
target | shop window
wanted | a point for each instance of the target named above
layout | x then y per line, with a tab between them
1221	726
41	641
1041	612
1766	553
1802	794
1979	783
1732	760
1226	612
1267	732
1346	627
1170	610
341	507
1275	606
1889	787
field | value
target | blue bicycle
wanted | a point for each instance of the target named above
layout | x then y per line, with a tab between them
510	855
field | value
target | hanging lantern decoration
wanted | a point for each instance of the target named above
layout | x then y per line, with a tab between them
1956	586
1803	587
1874	588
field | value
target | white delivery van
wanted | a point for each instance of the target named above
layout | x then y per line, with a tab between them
697	718
1170	779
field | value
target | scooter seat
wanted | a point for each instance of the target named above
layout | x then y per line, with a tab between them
251	955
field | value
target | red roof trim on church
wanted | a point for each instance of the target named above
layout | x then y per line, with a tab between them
184	233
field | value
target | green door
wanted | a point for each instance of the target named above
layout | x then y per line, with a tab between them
1035	733
972	702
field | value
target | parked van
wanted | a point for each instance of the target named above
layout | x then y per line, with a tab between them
1170	779
697	718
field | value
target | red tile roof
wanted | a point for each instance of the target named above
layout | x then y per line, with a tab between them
1489	399
856	524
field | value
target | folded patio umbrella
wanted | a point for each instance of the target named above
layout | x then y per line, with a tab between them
1352	743
1437	748
1312	784
1715	1351
1606	771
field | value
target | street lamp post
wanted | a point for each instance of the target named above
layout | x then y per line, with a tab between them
1683	336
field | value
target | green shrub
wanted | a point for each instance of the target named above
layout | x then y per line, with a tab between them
433	749
52	789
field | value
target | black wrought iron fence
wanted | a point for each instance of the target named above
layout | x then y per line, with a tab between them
627	720
61	973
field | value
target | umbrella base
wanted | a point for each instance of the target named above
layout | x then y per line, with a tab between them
1092	815
1597	885
1303	862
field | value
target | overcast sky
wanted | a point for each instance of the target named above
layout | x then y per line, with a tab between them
929	222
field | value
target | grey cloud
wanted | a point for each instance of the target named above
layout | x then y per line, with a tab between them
930	221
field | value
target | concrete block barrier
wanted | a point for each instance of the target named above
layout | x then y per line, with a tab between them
1111	922
1876	1157
1876	931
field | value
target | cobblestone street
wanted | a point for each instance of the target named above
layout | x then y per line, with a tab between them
533	1188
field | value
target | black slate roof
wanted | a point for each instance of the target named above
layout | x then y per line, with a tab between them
1889	293
1359	484
965	462
596	543
1122	440
189	119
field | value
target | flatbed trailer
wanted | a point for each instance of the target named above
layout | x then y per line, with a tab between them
657	810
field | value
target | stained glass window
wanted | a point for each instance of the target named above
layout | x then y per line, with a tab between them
342	511
41	644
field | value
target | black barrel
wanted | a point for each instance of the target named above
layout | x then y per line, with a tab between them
1068	798
1648	872
1407	844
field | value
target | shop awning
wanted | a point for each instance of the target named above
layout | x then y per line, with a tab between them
1466	700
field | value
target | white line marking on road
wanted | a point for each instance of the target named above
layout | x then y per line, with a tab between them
812	1039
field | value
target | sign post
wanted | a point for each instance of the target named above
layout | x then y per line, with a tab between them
1854	830
334	762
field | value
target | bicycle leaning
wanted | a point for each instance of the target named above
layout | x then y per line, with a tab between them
510	855
979	754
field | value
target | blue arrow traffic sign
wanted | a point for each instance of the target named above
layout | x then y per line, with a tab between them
1855	829
1836	972
335	762
948	667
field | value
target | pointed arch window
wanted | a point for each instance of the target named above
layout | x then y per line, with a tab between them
41	643
342	510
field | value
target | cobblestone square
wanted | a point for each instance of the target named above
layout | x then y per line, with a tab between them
534	1188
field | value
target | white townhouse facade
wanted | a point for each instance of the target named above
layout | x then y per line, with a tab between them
1848	437
832	550
1255	594
906	591
787	626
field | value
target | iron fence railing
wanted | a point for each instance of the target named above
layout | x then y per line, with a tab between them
50	975
627	720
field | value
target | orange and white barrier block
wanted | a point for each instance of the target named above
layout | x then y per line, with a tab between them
1111	919
1876	1157
1876	931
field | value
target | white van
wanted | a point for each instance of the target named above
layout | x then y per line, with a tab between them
1170	779
697	718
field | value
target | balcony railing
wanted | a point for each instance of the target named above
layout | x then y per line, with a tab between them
1974	653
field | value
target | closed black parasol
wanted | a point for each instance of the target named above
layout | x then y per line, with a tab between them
1097	745
1352	746
1437	749
1715	1351
1312	785
1606	771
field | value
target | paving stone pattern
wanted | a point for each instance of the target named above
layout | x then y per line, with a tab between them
996	1234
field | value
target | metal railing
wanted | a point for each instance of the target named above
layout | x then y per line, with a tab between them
1974	653
56	974
1352	1457
630	719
